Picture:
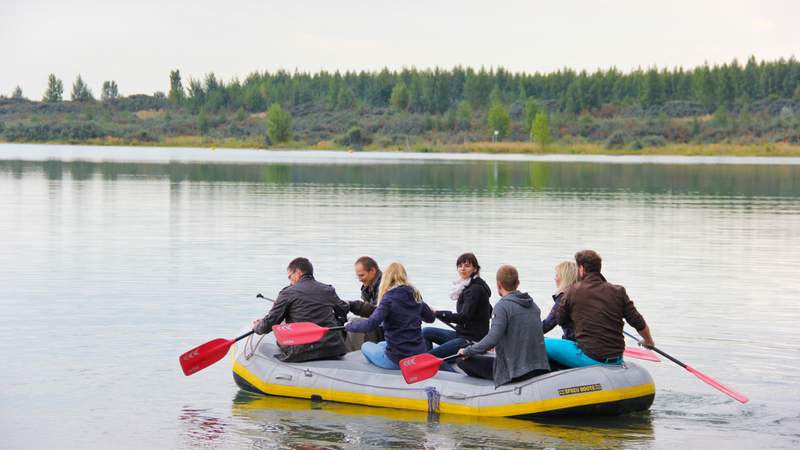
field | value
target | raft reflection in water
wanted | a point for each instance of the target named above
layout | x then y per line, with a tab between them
288	422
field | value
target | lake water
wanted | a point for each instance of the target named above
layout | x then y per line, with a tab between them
116	260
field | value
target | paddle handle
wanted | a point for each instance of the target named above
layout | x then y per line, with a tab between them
452	357
244	335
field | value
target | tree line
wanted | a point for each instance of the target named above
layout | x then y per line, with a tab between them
436	91
538	106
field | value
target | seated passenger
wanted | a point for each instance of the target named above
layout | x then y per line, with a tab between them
597	308
306	300
401	310
516	335
473	311
369	275
566	275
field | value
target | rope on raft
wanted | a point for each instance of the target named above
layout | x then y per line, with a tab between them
433	395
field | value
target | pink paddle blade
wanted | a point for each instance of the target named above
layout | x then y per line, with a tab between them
298	333
738	396
419	367
641	353
204	355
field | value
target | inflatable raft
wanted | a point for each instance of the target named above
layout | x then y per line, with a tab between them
597	390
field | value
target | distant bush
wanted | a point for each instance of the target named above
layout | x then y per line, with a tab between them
352	138
616	141
653	141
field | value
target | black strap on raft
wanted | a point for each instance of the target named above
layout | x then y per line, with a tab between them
433	399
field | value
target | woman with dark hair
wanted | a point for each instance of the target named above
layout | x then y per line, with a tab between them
472	314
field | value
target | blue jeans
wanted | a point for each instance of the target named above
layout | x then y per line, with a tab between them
376	354
569	354
448	341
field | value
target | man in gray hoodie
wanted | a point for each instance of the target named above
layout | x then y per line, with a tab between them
515	333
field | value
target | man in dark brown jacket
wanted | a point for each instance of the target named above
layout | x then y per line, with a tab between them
306	300
597	307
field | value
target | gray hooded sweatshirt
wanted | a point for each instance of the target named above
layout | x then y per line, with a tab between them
516	334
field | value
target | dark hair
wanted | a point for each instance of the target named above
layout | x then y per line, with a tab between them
470	258
301	264
508	277
589	259
367	262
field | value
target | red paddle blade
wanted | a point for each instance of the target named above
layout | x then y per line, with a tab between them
738	396
204	355
419	367
298	333
641	353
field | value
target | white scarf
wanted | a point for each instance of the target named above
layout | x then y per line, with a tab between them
458	287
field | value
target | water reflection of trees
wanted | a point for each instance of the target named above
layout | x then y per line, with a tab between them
481	177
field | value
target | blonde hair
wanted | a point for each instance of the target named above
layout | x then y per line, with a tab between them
393	276
568	272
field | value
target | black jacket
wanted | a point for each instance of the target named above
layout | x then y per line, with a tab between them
473	311
308	301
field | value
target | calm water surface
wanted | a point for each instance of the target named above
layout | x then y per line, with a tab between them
116	260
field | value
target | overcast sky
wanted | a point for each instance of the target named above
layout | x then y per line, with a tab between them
137	42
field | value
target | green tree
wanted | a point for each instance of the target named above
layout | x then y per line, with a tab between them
531	109
279	124
176	93
202	121
540	130
653	89
463	115
17	94
110	92
55	90
477	88
399	98
80	91
346	98
499	120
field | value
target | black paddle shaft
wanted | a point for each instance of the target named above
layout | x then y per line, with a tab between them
657	350
244	335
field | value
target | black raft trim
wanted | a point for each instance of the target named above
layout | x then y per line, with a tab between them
244	384
614	408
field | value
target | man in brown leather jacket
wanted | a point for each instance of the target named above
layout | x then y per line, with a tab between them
306	300
597	308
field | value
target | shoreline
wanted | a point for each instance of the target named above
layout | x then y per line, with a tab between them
298	155
487	148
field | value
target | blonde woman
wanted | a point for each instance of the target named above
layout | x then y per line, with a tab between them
401	311
566	275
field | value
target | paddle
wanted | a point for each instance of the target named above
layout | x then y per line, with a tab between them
207	354
421	367
705	378
299	333
641	353
212	351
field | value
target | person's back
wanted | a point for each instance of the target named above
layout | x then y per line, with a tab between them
307	300
521	349
402	325
597	308
516	334
401	311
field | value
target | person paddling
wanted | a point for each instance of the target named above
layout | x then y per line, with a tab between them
401	311
596	308
306	300
515	333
